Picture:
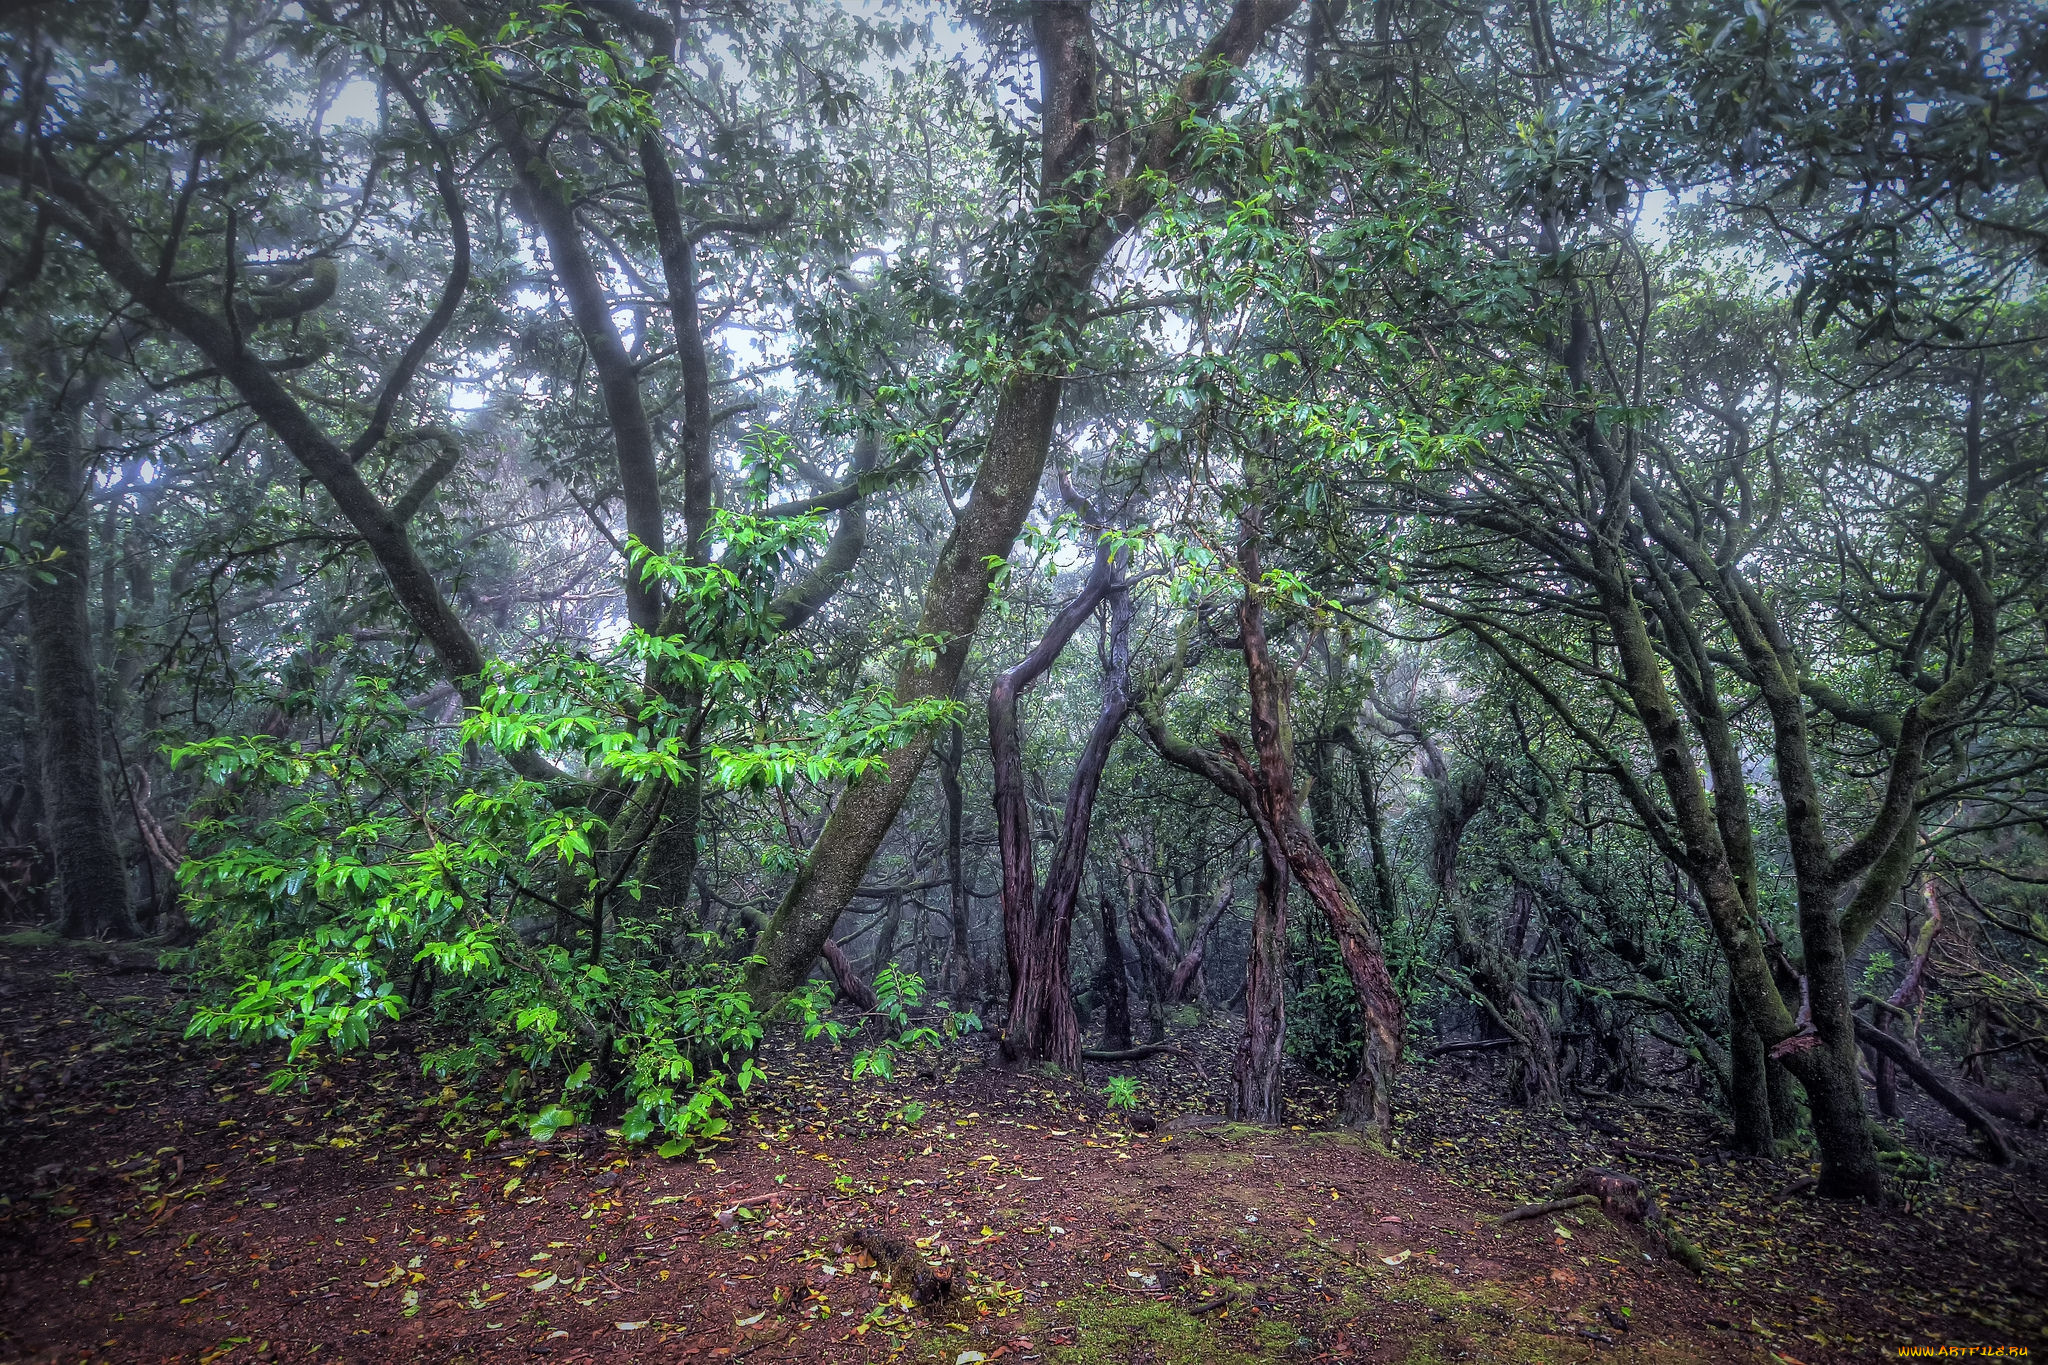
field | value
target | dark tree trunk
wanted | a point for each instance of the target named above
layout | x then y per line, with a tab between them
959	907
1749	1094
1255	1095
1041	1024
1112	986
92	878
885	941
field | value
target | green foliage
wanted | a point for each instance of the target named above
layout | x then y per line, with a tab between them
902	1030
1121	1093
379	872
1325	1026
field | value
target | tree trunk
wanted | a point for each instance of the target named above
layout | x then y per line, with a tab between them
1041	1022
92	878
1255	1095
1113	985
1020	433
959	906
1749	1097
885	942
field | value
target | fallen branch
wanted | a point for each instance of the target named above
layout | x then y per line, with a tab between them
1544	1210
1798	1187
1139	1054
1646	1154
2003	1047
1910	1062
1627	1200
1482	1045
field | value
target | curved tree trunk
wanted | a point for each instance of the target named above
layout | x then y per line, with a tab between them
847	979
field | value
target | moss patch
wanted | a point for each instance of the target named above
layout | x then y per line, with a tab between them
1111	1329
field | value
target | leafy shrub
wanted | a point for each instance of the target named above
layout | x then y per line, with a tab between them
381	871
1121	1093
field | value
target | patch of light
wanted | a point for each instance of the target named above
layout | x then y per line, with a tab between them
355	103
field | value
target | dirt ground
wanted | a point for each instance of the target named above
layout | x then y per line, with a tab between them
156	1204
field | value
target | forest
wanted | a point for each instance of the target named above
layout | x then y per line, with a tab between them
1076	680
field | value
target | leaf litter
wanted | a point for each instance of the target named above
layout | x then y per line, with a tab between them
161	1204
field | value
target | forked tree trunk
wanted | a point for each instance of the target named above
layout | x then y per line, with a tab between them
1175	966
1042	1026
1266	794
1369	1100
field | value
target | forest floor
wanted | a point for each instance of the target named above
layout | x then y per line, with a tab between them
157	1204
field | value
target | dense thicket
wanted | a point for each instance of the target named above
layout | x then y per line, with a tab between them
588	528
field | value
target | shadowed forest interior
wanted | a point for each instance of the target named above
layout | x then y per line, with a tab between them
1425	616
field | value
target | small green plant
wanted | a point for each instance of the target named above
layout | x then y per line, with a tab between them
1122	1093
912	1112
897	994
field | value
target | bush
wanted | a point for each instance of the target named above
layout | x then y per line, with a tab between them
383	872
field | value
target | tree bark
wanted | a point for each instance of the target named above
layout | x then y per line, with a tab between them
1041	1023
958	905
1113	985
848	980
1749	1096
1255	1094
92	895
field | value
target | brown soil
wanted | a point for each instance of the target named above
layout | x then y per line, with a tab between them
160	1205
